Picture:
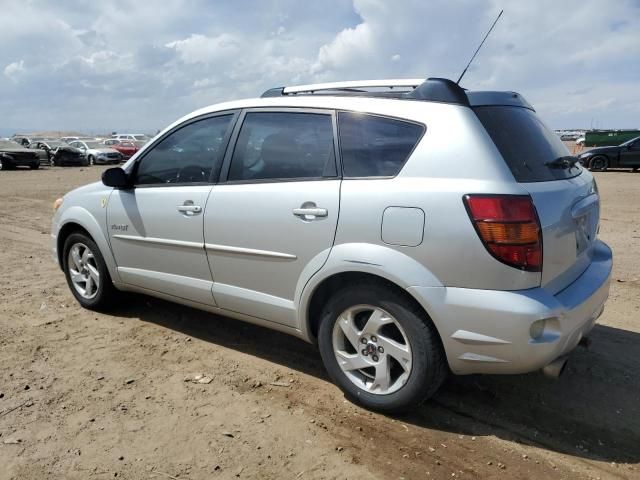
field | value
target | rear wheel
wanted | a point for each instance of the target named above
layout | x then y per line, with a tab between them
599	163
35	165
87	273
380	349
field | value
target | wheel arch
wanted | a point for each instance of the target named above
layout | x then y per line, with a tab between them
357	263
335	282
77	219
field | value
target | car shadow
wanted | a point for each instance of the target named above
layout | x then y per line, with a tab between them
591	412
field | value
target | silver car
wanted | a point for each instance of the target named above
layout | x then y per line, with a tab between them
410	228
96	152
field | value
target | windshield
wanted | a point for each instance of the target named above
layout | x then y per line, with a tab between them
95	145
629	142
528	147
8	144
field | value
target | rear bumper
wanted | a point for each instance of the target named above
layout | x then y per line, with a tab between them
491	331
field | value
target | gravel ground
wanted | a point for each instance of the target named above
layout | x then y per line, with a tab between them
86	395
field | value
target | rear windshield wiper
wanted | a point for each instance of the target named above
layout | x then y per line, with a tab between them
563	162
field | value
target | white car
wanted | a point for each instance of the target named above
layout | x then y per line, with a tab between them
134	137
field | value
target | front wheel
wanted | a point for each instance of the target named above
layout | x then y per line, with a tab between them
87	273
35	165
599	163
380	348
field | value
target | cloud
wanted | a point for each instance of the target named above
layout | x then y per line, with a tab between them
202	49
142	66
13	70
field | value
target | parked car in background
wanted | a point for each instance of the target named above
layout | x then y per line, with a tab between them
626	155
433	230
126	147
137	137
60	153
96	152
14	155
25	141
72	139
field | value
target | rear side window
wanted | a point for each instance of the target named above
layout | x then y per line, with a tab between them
526	144
373	146
284	145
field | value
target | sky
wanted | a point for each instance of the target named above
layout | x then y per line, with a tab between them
134	65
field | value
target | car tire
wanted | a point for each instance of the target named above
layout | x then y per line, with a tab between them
35	166
98	293
5	164
599	163
410	337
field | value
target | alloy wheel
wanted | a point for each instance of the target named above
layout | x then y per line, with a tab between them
83	271
372	349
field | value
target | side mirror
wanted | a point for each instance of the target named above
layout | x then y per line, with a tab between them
115	177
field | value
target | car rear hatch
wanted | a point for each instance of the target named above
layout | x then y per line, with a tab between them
564	195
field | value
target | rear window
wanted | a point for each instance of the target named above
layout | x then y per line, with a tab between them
525	143
373	146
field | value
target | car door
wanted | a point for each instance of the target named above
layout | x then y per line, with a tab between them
80	146
630	154
273	220
156	227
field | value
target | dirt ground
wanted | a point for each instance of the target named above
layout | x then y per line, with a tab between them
85	395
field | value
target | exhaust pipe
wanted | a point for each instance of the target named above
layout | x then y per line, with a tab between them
556	368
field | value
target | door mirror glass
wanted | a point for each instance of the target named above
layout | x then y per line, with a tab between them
115	177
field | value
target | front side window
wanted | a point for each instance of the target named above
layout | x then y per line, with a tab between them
188	155
373	146
284	145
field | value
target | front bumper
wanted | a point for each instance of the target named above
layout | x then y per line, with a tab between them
107	161
493	331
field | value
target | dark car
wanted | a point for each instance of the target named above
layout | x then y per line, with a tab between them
625	155
13	155
60	153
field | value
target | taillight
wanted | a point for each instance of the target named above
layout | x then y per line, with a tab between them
509	228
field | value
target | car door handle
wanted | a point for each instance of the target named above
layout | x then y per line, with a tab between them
189	209
310	212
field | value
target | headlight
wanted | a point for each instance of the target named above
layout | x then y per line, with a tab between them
57	204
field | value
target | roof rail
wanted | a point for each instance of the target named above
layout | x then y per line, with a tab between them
440	90
353	86
432	89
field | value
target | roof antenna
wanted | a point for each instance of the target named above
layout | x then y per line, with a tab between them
479	47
